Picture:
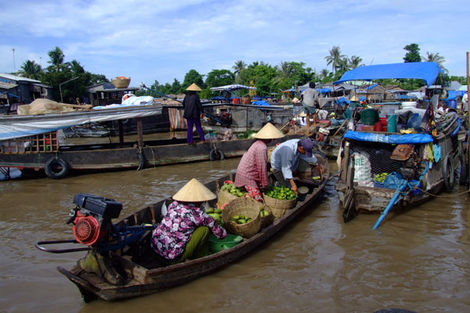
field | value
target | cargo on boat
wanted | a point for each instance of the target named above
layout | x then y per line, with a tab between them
421	154
123	251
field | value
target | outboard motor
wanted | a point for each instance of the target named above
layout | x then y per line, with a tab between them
93	227
91	218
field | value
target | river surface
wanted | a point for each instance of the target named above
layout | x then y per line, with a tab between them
419	261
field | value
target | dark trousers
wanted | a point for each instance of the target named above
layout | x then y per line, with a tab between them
200	132
280	180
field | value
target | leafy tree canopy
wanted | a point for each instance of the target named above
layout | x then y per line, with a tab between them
413	53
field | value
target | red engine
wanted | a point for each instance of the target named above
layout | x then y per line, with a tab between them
91	218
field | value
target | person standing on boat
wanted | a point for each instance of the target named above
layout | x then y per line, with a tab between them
184	231
192	112
465	102
309	99
285	160
252	170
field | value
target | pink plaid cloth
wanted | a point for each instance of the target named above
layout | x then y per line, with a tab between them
252	168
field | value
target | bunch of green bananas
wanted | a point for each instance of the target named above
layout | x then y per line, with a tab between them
380	178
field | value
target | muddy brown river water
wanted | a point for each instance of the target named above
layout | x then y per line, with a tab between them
419	261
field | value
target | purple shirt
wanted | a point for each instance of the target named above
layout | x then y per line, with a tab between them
170	237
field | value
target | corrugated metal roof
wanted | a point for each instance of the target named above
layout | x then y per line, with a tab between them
18	78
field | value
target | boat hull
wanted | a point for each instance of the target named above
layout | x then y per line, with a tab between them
147	281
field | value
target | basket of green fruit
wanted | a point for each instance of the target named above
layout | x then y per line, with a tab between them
242	216
279	200
266	217
227	193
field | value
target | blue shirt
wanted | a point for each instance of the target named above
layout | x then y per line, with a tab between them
286	158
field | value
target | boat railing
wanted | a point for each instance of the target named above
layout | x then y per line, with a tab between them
46	142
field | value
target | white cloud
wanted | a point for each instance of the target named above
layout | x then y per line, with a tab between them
171	37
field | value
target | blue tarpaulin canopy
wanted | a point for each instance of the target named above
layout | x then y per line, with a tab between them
231	87
391	139
427	71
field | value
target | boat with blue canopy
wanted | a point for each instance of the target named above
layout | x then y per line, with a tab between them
420	153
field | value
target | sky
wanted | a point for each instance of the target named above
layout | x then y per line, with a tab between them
162	40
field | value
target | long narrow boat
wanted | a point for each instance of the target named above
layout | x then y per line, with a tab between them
384	172
33	145
144	278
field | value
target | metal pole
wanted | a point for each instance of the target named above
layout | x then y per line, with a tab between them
60	87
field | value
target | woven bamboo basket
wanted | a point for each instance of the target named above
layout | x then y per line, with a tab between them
278	207
247	207
121	82
268	219
224	197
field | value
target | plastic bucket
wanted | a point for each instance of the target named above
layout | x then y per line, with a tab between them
391	123
369	116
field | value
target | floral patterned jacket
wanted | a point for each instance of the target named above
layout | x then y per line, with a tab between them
169	239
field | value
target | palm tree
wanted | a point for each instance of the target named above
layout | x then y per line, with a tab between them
435	57
334	58
355	61
57	58
76	67
31	69
238	67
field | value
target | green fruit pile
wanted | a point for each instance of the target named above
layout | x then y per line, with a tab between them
281	193
216	214
380	177
240	219
233	190
264	213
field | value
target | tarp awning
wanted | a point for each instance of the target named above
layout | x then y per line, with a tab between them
427	71
391	139
232	87
15	126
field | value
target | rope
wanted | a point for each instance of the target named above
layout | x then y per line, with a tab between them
434	195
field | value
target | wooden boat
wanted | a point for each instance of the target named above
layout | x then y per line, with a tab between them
383	171
44	151
145	277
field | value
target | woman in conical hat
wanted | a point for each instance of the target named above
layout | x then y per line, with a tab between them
192	112
184	231
252	170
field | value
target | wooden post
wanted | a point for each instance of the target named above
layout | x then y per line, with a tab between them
140	132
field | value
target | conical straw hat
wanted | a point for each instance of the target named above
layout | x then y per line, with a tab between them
269	131
194	191
193	87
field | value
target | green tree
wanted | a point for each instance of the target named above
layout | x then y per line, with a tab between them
292	74
176	87
355	62
435	57
219	78
192	76
335	58
57	59
31	69
413	53
238	68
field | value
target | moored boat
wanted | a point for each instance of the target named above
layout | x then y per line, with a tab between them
33	144
129	271
382	172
